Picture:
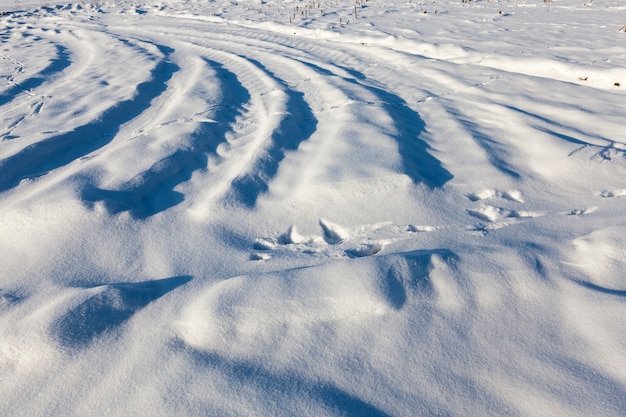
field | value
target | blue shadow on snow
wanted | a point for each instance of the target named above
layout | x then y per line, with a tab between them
49	154
297	126
289	385
152	191
417	161
109	308
56	65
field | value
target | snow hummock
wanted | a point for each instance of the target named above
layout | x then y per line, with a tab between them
370	208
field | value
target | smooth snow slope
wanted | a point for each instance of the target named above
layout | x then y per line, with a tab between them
279	208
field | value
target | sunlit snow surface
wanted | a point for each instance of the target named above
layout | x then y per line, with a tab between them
290	208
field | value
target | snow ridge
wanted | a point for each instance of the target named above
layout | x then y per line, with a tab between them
324	208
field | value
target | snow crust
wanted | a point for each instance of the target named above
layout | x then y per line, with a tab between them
279	208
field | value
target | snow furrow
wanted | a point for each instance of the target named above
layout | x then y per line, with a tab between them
312	208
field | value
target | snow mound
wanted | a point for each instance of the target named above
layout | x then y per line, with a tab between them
258	312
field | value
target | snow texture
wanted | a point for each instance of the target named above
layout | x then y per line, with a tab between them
313	208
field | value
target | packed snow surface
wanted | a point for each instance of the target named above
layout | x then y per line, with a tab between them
313	208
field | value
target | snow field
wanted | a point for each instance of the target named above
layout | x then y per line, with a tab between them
281	208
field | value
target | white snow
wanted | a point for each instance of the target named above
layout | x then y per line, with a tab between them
313	208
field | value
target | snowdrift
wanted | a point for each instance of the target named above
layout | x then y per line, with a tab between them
278	208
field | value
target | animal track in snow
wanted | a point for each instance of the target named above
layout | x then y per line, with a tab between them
492	214
420	229
335	241
486	213
496	217
613	193
511	195
581	212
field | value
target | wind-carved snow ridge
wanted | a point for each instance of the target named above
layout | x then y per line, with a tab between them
41	157
106	308
152	191
406	128
296	125
388	208
261	310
